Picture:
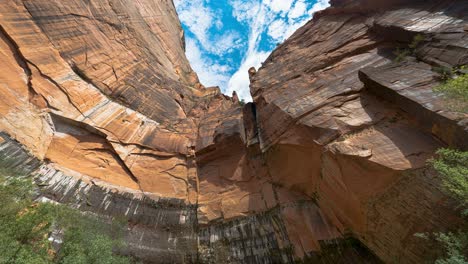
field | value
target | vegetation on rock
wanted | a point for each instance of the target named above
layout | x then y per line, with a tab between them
242	102
452	166
26	227
455	89
402	53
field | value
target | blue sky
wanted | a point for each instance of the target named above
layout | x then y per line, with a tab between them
225	38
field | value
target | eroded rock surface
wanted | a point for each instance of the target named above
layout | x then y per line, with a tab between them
98	101
355	127
102	88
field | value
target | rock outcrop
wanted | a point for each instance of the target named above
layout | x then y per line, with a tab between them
98	101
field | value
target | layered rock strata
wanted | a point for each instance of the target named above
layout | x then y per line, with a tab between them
98	101
355	126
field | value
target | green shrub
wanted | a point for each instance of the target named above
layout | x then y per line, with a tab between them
445	73
242	102
25	226
455	90
455	244
452	165
417	40
88	239
402	53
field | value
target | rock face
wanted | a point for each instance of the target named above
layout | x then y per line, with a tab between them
354	127
98	101
102	88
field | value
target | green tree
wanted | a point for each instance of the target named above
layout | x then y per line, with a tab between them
25	226
452	165
455	246
90	240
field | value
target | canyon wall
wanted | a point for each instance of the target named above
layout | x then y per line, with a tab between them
356	126
99	103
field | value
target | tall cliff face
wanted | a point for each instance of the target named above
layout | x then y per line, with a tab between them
354	127
99	102
101	88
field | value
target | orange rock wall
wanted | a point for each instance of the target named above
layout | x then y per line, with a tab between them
353	128
115	75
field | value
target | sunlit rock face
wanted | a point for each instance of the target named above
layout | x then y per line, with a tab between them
98	101
102	88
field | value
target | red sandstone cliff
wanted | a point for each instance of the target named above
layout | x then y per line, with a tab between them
102	88
356	128
334	145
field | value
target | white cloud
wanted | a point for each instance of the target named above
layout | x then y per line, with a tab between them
209	72
200	19
276	19
197	17
279	6
262	16
245	10
277	30
281	29
299	10
240	81
320	5
225	43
